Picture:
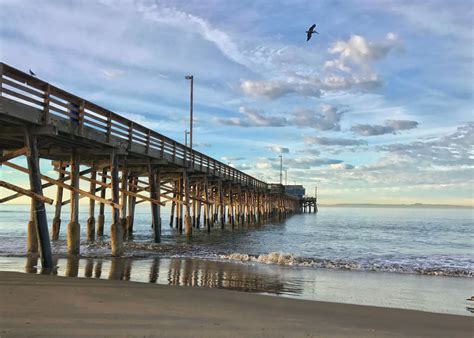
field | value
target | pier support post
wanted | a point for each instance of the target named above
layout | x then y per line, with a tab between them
32	240
154	178
199	204
116	236
221	205
40	219
123	198
173	205
187	216
74	228
207	206
231	206
59	201
101	217
193	204
132	201
90	233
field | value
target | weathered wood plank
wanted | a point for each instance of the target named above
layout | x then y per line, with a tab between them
65	186
25	192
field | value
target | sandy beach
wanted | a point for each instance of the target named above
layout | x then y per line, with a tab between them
39	305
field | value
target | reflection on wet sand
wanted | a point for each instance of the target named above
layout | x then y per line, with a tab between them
179	272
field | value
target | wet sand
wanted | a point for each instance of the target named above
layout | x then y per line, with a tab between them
39	305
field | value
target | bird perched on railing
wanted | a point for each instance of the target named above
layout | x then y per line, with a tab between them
310	32
31	73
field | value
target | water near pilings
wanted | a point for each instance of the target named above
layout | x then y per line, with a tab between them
400	257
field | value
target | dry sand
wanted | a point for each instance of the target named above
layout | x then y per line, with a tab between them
37	305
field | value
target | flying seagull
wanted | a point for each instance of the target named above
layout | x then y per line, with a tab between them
31	73
310	32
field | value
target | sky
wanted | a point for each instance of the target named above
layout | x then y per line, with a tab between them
376	108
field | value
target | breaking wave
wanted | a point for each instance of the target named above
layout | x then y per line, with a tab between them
289	259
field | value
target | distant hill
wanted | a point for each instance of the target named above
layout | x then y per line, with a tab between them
415	205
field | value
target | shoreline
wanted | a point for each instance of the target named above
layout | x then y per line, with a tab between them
60	306
437	294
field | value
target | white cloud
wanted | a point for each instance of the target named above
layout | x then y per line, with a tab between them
272	89
342	166
232	158
179	19
357	50
263	165
328	118
111	74
278	149
390	127
329	141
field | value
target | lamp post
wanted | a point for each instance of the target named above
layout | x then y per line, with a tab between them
191	78
281	168
286	177
186	133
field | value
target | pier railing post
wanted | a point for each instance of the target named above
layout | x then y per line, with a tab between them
41	221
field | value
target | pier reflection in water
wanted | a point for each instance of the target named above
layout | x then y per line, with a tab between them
174	271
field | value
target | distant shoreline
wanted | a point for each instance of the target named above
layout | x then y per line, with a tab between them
415	205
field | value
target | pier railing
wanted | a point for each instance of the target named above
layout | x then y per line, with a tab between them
58	103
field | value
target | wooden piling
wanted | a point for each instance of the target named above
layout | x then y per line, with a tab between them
221	204
207	206
180	206
173	205
101	217
231	206
132	201
90	233
57	210
187	216
116	236
153	177
39	209
123	199
32	240
74	228
199	204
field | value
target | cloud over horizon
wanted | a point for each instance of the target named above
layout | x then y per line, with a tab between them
389	127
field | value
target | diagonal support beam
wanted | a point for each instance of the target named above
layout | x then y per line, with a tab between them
44	186
13	154
26	192
65	186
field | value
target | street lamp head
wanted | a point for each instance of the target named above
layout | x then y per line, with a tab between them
188	77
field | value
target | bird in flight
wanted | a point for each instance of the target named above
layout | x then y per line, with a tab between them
310	32
31	73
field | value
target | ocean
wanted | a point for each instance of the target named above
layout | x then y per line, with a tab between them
416	258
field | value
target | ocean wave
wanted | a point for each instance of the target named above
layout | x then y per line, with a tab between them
289	259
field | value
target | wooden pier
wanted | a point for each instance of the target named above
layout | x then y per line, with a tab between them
123	164
306	203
